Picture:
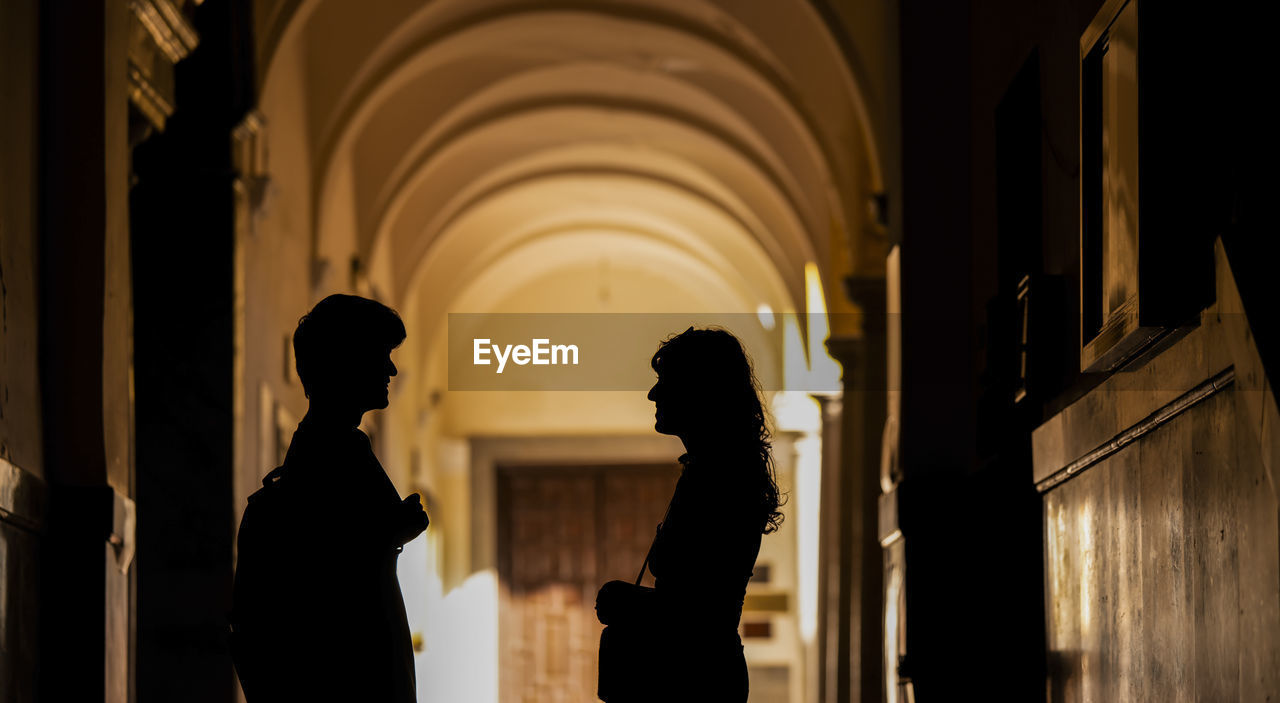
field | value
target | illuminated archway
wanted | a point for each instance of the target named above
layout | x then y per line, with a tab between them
501	156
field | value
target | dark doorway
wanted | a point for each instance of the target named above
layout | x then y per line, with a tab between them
562	532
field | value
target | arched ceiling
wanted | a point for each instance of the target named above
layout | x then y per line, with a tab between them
593	271
462	148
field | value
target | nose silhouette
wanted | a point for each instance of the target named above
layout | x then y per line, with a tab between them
653	392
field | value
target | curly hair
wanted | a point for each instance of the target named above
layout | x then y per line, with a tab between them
713	362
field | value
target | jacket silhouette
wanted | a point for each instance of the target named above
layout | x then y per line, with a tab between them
318	614
683	632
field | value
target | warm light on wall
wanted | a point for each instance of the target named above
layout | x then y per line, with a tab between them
1089	645
466	667
823	369
765	313
806	500
795	410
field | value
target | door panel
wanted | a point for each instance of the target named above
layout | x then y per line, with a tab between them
564	531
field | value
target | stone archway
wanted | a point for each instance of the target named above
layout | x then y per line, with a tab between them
463	156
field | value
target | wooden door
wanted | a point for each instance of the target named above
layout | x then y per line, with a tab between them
562	532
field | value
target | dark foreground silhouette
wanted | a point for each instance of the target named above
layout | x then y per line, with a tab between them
318	614
679	640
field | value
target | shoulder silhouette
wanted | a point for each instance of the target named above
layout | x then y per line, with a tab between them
678	641
317	611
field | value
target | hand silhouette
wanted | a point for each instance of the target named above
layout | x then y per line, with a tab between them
619	600
607	600
411	519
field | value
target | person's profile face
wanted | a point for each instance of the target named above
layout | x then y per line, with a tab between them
381	369
658	394
367	379
670	406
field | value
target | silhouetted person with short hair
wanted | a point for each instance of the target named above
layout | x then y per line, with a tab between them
706	546
318	614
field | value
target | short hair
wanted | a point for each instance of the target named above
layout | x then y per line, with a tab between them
339	328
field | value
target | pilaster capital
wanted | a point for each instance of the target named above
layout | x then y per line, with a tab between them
869	294
160	35
830	404
846	350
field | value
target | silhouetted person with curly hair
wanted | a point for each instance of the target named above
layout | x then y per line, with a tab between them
318	614
681	637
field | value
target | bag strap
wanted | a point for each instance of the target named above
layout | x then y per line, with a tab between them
645	566
270	483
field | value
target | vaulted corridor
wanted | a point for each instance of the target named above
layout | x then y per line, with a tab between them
1020	397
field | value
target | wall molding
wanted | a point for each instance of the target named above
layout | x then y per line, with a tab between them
23	497
160	35
1145	426
1216	353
